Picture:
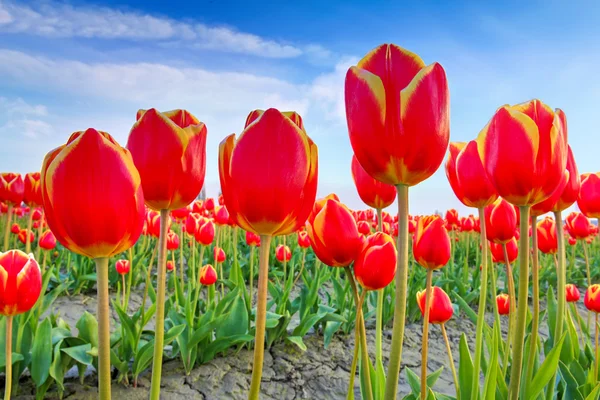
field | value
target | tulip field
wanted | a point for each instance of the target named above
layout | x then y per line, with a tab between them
117	273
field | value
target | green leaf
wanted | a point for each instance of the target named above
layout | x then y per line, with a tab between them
80	353
297	340
465	369
546	371
489	388
331	328
88	328
594	394
433	377
56	369
236	322
413	381
41	354
465	307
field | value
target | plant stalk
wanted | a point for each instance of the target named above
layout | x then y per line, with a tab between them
425	339
103	329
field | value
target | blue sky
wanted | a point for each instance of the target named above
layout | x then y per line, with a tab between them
66	66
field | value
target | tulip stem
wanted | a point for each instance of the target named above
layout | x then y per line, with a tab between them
578	318
197	283
124	291
39	235
391	382
28	239
596	353
148	282
301	268
103	329
522	306
450	358
357	331
181	253
129	278
9	213
251	275
482	306
261	317
512	305
366	361
589	278
8	369
425	338
379	321
466	262
160	306
533	338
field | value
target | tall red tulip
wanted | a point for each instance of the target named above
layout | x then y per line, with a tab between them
501	221
47	240
512	250
208	275
503	302
589	195
440	310
206	233
283	253
373	193
375	266
573	294
547	239
431	243
578	226
592	298
32	195
11	193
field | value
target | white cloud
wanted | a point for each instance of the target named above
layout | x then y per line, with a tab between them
19	106
58	20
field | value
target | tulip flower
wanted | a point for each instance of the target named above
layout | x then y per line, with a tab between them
283	253
32	196
221	215
589	195
578	226
452	219
547	239
209	204
440	310
104	219
208	275
303	240
180	214
15	229
192	223
501	221
363	227
572	241
431	243
512	251
47	240
253	240
172	241
573	294
592	303
11	193
373	193
206	233
219	254
122	267
21	285
503	302
375	266
26	236
170	265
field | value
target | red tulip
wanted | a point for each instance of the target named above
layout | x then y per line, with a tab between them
123	267
524	151
172	241
373	193
180	214
303	240
547	240
170	265
153	223
208	275
592	298
467	223
193	223
11	188
452	219
219	255
269	174
512	250
283	253
209	204
398	114
169	151
363	227
589	195
440	310
23	236
47	240
252	239
573	294
431	243
375	267
32	195
20	281
221	216
572	241
206	233
15	228
503	302
37	214
106	216
578	226
333	233
501	221
467	175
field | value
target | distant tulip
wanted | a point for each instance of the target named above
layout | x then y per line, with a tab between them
153	223
12	188
431	243
275	197
252	239
373	193
209	204
47	240
107	215
398	114
468	177
172	241
221	216
37	214
219	255
573	294
208	275
180	214
512	250
412	227
589	195
501	221
123	267
23	236
524	151
169	151
32	190
20	281
375	266
303	240
547	240
3	208
192	223
15	229
206	233
333	233
578	226
467	223
283	253
592	298
503	302
572	241
363	227
170	265
440	310
452	219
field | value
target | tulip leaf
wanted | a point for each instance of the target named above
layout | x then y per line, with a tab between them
297	340
41	354
465	307
594	394
571	385
236	322
88	328
331	328
80	353
546	371
465	369
489	391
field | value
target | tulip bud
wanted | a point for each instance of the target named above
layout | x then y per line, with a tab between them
375	266
303	240
512	250
373	193
573	294
221	216
589	195
20	282
170	265
252	239
219	255
37	214
180	214
192	223
32	195
205	233
592	298
15	229
23	236
172	241
503	302
452	219
572	241
208	275
47	240
12	188
123	267
578	226
209	204
440	310
547	240
431	243
501	221
283	253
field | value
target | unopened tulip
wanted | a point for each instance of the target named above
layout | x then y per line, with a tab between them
32	195
192	223
219	255
47	240
452	219
122	267
589	195
23	233
180	214
573	294
592	298
398	114
20	281
363	227
333	233
303	240
221	216
208	275
467	224
283	253
372	192
431	243
578	226
503	302
209	204
375	266
512	250
170	265
15	229
572	241
468	177
172	241
206	233
440	310
12	188
37	214
501	221
252	239
547	240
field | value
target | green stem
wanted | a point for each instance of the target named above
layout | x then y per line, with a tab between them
450	359
261	317
8	368
535	319
129	278
589	279
103	329
425	337
391	382
519	334
466	262
379	320
147	285
366	361
251	275
482	306
512	306
28	239
354	291
7	227
160	306
597	354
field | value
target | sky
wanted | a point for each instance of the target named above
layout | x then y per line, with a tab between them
69	65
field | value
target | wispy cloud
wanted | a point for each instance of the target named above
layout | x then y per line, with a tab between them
53	19
19	118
